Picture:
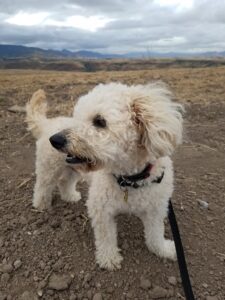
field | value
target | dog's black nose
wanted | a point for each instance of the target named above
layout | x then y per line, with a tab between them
58	141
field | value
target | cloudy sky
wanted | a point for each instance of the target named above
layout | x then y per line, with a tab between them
115	26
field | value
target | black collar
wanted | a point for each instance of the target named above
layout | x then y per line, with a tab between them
132	180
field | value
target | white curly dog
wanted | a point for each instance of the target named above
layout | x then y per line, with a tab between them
51	167
125	134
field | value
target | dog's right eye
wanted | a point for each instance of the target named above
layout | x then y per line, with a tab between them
99	121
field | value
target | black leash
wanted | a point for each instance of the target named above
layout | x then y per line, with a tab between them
180	254
132	181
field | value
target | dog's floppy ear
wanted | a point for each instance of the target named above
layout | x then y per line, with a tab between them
158	120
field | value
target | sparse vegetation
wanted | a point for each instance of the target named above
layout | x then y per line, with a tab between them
92	65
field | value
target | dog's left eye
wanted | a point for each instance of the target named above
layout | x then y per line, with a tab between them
99	121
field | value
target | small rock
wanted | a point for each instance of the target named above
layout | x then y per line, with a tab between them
110	290
1	241
125	245
28	296
17	264
59	282
73	297
40	293
158	292
55	224
42	265
89	294
98	285
97	296
17	108
203	204
50	292
172	280
212	298
130	295
6	268
205	285
145	284
36	278
5	278
2	296
87	277
27	273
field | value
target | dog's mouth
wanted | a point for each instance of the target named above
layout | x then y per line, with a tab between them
75	159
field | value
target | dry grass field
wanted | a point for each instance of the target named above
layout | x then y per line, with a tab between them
37	247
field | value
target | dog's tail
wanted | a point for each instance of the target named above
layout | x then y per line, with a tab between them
36	110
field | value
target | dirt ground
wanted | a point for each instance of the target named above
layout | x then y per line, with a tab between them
50	255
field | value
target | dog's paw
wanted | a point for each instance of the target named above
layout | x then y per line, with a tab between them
109	259
72	197
169	251
41	206
164	250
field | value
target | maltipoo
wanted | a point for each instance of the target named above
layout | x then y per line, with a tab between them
51	167
126	135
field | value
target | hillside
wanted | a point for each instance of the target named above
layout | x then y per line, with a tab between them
93	65
18	51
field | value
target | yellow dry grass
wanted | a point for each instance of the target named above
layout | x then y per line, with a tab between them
189	85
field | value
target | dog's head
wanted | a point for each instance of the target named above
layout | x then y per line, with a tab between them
121	127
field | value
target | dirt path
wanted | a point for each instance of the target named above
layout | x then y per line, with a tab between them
41	253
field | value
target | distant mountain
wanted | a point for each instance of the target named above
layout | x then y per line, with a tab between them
17	51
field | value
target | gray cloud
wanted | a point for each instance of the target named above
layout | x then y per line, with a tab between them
137	25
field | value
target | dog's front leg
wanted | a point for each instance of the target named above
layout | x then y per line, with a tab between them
67	185
154	235
105	231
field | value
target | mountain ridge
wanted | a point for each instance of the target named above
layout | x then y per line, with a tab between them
19	51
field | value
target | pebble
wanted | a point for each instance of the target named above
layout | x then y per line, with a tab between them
73	297
203	204
110	290
40	293
87	277
172	280
42	265
17	264
145	284
58	265
97	296
212	298
27	273
59	282
158	292
2	296
55	224
17	108
130	295
28	296
5	278
6	268
89	294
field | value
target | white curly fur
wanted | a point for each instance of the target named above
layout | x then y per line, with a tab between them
142	125
51	168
